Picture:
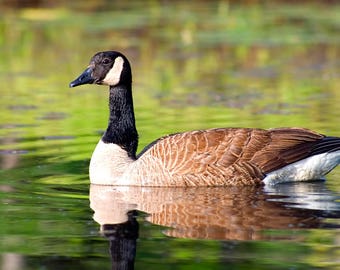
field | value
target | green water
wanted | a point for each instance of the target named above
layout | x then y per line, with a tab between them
202	65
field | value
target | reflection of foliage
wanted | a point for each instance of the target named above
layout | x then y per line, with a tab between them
199	254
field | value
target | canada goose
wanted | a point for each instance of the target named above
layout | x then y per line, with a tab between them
212	157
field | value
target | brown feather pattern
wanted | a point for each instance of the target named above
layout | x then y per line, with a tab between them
226	156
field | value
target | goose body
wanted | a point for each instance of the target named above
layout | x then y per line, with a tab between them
212	157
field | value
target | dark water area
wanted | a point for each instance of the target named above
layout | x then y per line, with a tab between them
208	64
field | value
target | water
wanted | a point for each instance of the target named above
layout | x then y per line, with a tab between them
202	66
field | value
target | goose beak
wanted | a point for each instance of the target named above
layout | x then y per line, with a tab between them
84	78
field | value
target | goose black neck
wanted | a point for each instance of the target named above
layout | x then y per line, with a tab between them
121	128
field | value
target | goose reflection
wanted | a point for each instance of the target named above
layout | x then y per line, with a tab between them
223	213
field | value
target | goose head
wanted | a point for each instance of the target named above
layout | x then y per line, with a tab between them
106	68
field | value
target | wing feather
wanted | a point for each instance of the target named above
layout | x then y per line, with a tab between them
228	156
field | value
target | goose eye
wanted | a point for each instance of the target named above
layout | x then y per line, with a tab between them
106	61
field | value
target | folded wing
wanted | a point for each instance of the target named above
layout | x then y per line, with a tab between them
229	156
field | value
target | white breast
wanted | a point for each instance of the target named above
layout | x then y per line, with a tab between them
311	168
108	163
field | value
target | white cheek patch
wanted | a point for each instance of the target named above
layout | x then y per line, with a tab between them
113	76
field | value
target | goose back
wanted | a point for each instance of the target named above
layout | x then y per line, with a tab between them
222	156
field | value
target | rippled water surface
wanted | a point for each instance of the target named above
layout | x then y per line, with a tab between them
202	65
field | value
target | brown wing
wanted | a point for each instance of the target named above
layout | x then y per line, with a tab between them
229	156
